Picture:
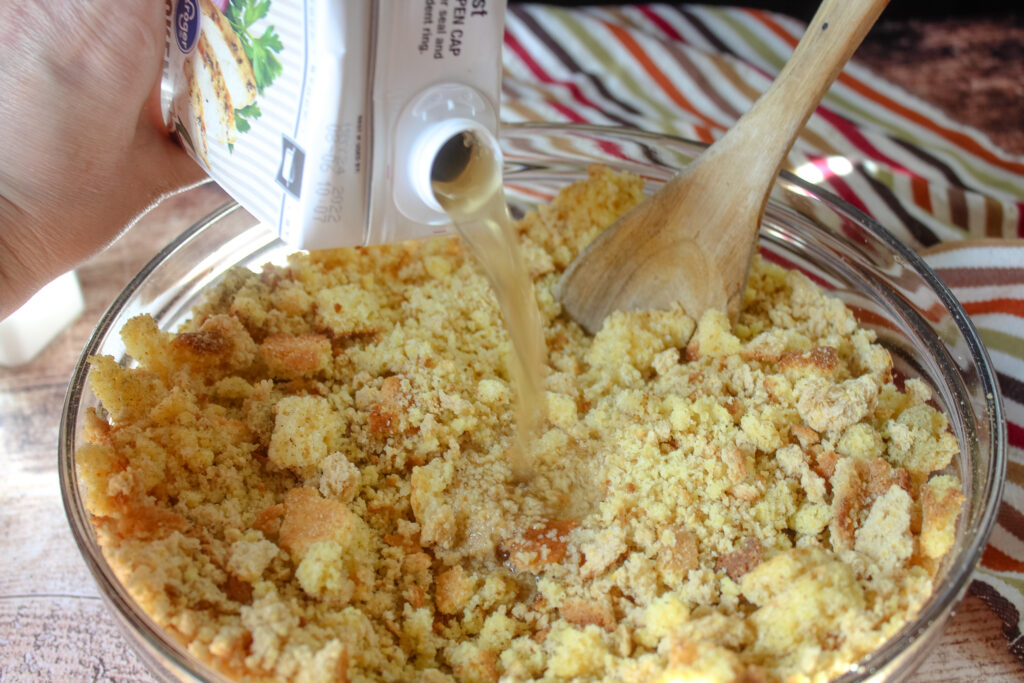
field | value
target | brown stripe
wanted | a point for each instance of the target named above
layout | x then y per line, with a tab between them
1013	389
703	85
702	28
980	276
725	67
561	55
921	233
1011	519
710	91
957	208
993	217
980	242
657	73
1006	612
1015	473
929	160
817	142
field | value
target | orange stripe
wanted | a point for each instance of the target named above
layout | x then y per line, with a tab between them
522	189
704	134
773	26
659	77
922	197
1008	306
998	561
957	138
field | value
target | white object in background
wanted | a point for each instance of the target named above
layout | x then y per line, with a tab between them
27	331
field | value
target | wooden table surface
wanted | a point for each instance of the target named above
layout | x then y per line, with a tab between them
53	626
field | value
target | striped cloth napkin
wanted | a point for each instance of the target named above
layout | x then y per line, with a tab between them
943	188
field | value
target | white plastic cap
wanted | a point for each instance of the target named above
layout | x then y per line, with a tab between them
431	119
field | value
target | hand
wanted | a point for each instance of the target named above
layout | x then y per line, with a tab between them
84	149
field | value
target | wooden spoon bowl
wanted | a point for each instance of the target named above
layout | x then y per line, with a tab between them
691	243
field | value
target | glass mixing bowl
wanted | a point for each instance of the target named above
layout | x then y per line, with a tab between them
887	286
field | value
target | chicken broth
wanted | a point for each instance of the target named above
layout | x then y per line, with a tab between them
467	182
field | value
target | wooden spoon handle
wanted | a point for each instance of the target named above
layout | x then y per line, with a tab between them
691	242
767	131
759	142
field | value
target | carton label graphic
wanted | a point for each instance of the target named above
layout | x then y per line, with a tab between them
293	106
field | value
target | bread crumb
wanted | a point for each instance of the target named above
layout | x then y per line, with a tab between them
305	428
310	479
941	503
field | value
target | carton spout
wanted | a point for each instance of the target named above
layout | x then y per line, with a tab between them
313	114
436	134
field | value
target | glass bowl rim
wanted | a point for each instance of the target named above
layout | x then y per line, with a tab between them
942	600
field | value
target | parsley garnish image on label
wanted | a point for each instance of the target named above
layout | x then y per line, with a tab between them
234	61
261	49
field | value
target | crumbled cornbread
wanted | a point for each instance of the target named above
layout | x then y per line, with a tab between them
309	481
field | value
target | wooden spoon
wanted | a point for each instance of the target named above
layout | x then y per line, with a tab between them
691	243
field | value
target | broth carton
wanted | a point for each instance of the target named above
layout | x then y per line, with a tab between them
322	117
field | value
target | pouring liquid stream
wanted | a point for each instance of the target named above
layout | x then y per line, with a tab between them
467	181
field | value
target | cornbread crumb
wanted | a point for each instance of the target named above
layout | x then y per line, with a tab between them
941	501
304	428
885	535
251	555
576	652
310	479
